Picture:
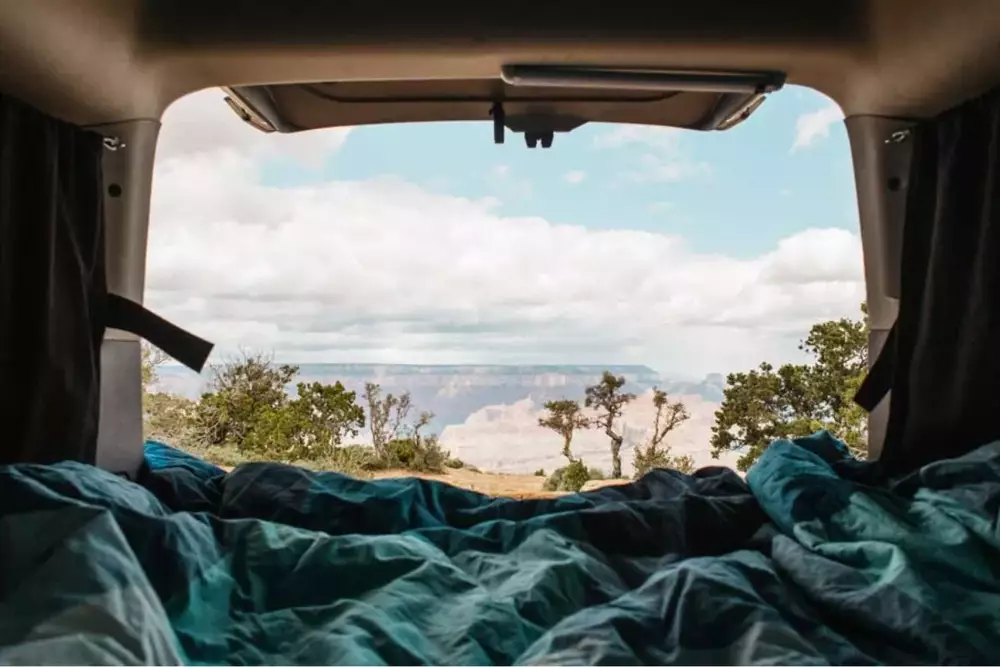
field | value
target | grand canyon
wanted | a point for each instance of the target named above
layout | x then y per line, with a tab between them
487	415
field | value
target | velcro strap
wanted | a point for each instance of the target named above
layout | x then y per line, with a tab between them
878	382
185	347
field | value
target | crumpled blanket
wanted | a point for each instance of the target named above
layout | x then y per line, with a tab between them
808	561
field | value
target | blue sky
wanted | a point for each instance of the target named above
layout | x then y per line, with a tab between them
687	251
756	189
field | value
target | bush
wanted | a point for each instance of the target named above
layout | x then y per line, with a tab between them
540	472
401	453
430	456
454	464
167	418
225	457
417	454
248	408
568	478
355	457
554	481
353	460
646	461
596	473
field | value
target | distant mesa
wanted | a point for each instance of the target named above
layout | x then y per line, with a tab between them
507	438
716	380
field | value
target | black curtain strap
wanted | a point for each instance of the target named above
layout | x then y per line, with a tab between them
184	346
879	379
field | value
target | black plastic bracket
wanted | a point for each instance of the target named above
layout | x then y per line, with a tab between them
498	122
532	139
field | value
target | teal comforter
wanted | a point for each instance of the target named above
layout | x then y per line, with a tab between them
807	562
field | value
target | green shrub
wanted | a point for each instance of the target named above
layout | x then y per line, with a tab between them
418	455
454	464
402	453
596	473
570	478
430	456
355	457
354	460
540	472
226	457
345	460
644	461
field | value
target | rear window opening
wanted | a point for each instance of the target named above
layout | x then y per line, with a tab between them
491	364
493	285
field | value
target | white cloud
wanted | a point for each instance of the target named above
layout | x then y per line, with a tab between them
574	177
665	162
661	138
382	270
810	127
656	169
203	124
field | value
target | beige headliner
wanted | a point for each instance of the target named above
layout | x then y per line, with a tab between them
101	61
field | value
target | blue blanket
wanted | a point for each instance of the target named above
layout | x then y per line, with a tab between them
807	562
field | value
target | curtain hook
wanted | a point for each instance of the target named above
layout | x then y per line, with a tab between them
113	143
898	137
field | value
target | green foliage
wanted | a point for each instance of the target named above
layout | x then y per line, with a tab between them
608	400
246	394
540	472
151	358
324	414
227	457
796	400
654	454
644	461
402	453
564	417
570	477
247	408
386	416
431	457
354	460
421	454
595	473
167	418
247	414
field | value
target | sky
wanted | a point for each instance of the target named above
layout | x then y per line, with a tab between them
689	252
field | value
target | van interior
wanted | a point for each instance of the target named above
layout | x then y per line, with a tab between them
120	551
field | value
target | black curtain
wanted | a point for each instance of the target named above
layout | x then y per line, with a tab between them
52	287
942	360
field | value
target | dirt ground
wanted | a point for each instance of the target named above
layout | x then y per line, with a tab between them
509	485
491	484
494	484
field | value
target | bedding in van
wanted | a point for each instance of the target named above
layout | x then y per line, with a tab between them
807	561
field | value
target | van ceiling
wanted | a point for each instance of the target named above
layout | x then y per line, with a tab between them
526	109
104	61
